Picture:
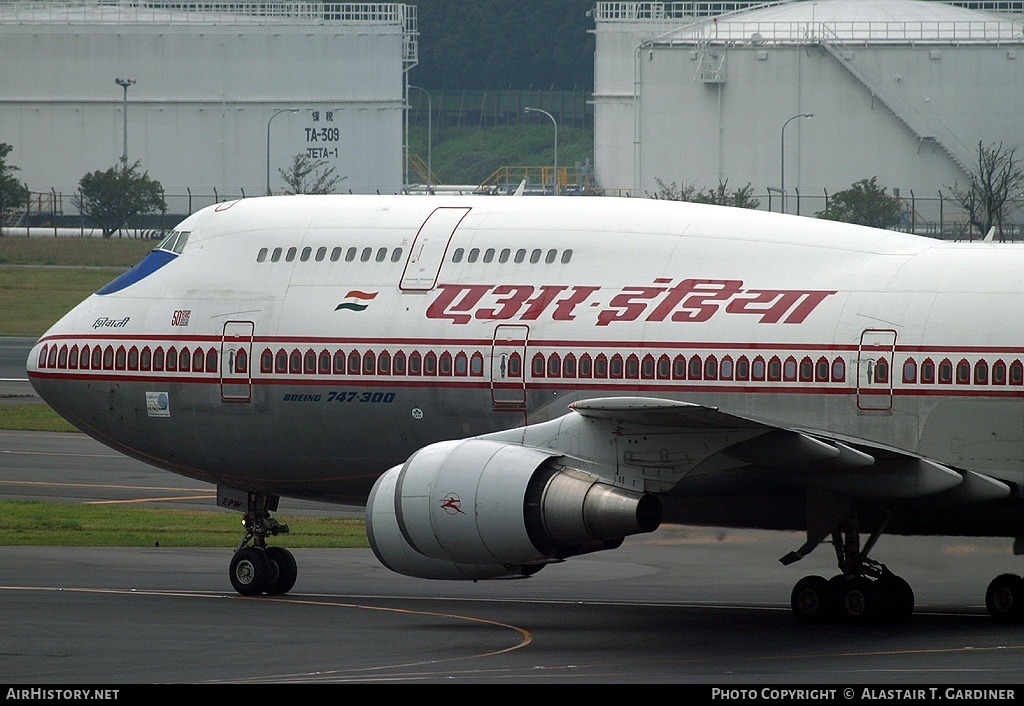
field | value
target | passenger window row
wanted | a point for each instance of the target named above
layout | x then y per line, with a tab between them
350	254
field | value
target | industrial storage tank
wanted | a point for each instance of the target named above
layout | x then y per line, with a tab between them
901	90
211	97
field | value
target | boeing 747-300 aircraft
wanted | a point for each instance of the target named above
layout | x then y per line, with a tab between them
510	382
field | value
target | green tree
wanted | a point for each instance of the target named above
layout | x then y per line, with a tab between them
12	193
113	197
864	203
307	176
719	196
996	183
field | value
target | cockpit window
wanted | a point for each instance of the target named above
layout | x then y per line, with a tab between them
174	242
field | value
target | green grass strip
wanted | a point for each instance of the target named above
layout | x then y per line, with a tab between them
83	525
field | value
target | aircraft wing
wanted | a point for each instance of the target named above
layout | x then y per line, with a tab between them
805	458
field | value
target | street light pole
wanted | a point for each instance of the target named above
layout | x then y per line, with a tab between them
782	180
283	110
538	110
124	83
430	134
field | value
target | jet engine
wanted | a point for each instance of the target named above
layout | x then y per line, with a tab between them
477	509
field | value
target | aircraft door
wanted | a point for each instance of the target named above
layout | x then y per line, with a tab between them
508	374
235	361
427	251
875	370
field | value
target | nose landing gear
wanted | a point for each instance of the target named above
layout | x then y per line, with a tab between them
256	568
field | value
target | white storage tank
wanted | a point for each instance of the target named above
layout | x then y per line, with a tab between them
205	82
901	90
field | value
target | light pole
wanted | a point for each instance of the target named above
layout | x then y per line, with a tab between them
430	134
283	110
782	181
124	83
538	110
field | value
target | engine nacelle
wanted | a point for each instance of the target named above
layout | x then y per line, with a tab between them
478	509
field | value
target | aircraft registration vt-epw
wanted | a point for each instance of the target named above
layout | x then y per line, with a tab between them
511	382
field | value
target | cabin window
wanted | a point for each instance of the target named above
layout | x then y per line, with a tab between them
146	359
586	366
458	255
185	360
647	368
775	369
743	368
119	360
350	255
601	366
515	366
382	255
910	371
535	257
882	370
554	366
551	257
963	372
430	363
838	370
569	366
62	357
505	255
295	363
85	357
369	363
399	363
821	370
172	359
335	254
309	362
806	370
474	255
133	358
211	360
726	369
695	368
354	362
324	363
396	255
241	361
981	373
945	372
566	257
520	256
632	367
262	257
615	367
757	369
266	361
73	358
292	252
1016	373
928	371
664	371
367	254
384	363
476	365
999	373
306	254
321	254
489	255
679	368
711	368
538	366
281	362
461	364
415	363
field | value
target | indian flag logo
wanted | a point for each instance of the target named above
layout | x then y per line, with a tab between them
356	301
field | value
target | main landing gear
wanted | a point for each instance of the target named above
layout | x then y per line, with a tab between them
865	592
255	567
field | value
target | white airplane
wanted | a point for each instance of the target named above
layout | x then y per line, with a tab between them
510	382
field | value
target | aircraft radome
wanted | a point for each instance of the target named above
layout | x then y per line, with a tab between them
510	382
